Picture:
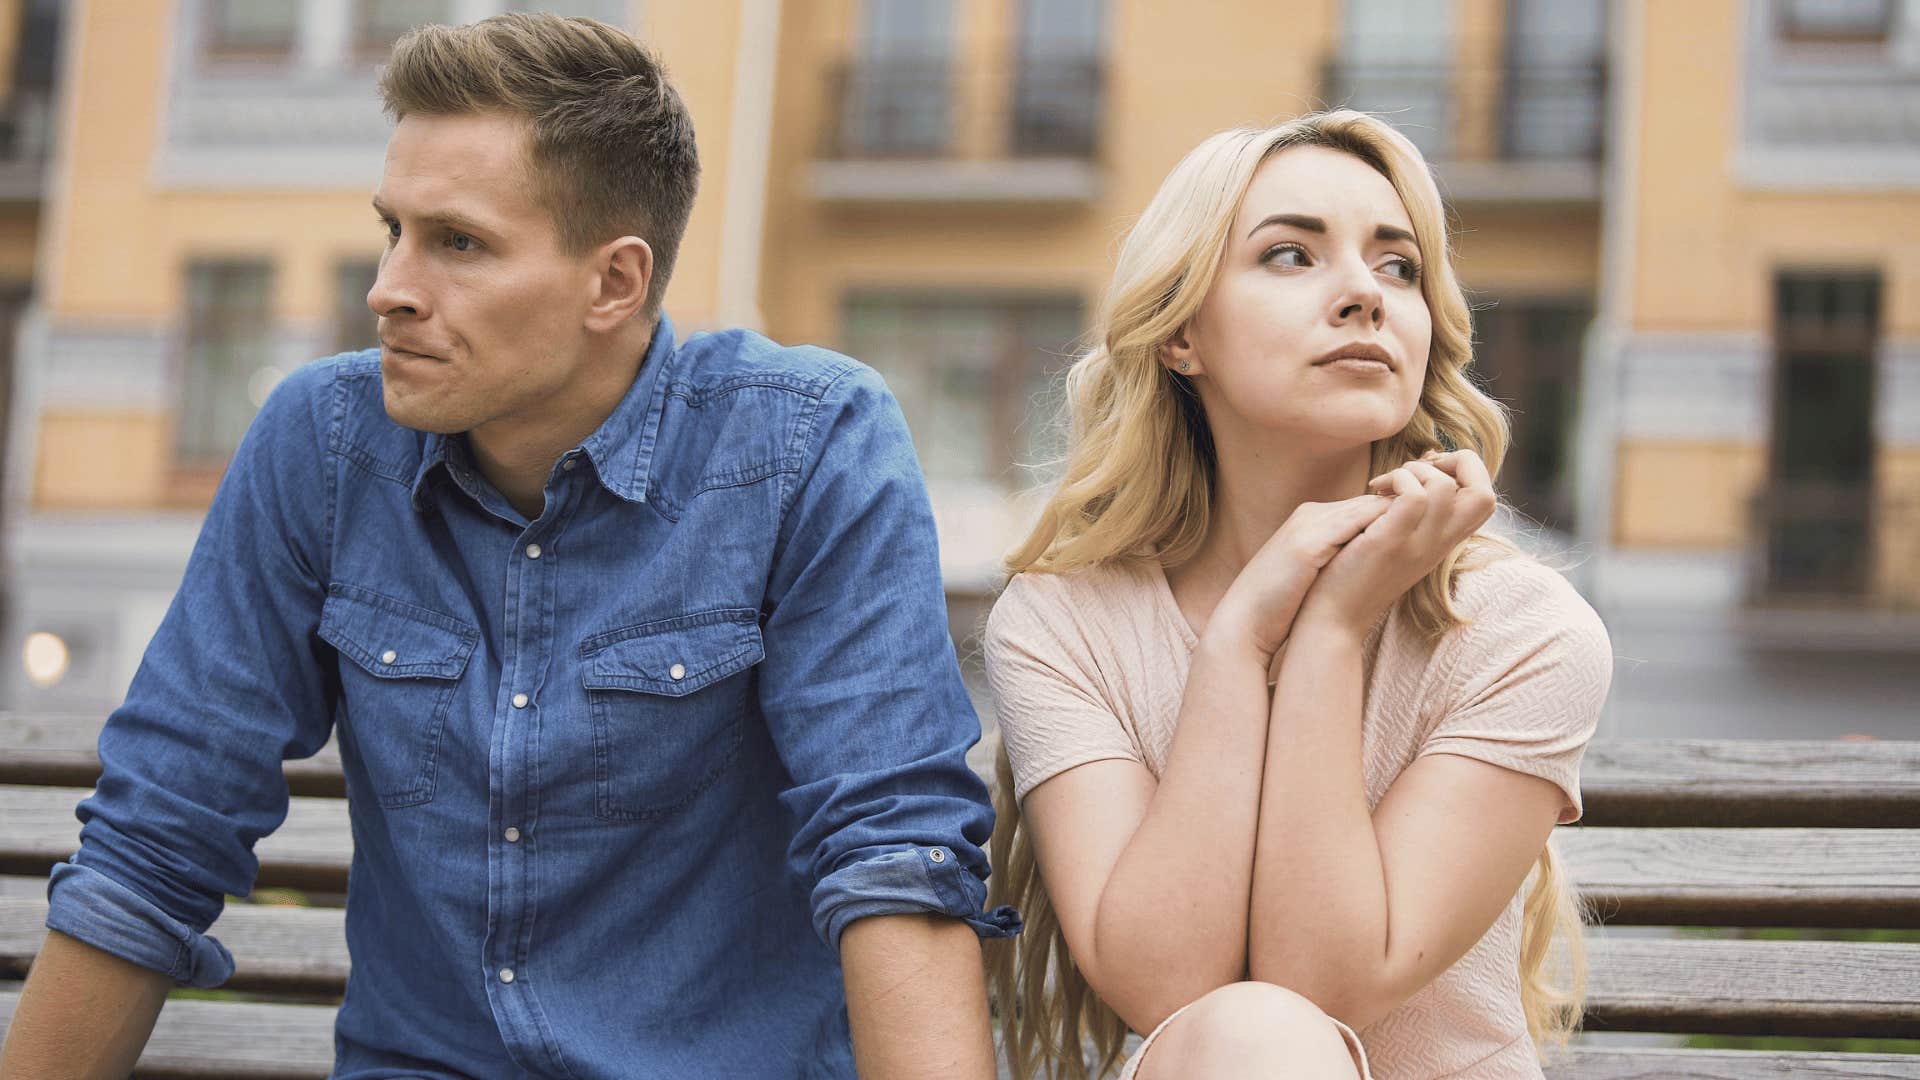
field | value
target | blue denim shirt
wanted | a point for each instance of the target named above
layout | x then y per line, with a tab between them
619	777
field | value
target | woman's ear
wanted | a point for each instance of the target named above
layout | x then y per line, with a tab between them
1179	356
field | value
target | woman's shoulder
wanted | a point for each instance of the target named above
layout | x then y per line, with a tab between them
1087	604
1513	604
1514	585
1110	586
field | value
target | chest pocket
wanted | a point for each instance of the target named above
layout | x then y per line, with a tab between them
399	667
670	703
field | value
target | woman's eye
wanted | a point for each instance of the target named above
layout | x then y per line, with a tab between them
1406	270
1286	255
392	228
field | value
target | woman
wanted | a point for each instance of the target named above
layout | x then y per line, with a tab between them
1286	729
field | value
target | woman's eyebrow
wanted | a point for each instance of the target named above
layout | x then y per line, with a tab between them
1388	233
1298	221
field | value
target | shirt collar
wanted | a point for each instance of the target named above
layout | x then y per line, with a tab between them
620	448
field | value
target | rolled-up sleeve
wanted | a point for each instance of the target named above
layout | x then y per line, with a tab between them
861	688
233	683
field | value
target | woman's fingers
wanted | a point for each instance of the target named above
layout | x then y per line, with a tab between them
1410	503
1437	483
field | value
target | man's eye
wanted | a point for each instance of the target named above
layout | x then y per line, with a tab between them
459	241
393	229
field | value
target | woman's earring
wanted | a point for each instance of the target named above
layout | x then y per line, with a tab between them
1183	365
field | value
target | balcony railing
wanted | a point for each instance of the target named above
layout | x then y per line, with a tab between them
935	107
1532	112
1812	542
1861	107
26	139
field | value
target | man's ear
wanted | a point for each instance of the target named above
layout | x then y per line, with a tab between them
623	276
1177	354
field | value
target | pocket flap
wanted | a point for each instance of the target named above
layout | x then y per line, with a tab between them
392	639
674	657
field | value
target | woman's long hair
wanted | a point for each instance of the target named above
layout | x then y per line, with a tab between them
1138	484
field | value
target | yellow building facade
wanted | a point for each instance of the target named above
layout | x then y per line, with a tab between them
937	187
1764	304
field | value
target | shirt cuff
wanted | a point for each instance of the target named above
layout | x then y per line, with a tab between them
918	880
89	906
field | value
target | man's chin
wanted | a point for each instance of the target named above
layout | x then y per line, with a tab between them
419	416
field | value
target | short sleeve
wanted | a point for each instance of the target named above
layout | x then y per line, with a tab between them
1046	692
1525	681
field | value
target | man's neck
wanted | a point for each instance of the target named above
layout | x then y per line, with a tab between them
516	453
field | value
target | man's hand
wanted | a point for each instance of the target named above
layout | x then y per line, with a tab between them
917	998
83	1014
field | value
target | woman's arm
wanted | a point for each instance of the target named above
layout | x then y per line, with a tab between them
1358	910
1151	880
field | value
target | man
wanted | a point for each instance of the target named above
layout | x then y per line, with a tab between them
637	650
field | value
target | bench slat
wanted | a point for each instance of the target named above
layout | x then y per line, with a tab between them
1748	877
1714	877
1747	783
231	1039
1654	782
276	949
312	849
1684	985
237	1039
1740	987
58	751
1599	1063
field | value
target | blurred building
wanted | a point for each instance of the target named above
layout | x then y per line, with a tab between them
1691	231
1756	438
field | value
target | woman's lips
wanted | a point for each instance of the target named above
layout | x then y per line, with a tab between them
1354	365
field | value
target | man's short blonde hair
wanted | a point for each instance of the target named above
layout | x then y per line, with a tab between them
610	144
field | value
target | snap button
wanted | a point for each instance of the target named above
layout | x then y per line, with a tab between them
677	672
937	855
519	701
512	834
533	551
506	975
389	656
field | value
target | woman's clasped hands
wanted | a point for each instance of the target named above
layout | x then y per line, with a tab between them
1342	564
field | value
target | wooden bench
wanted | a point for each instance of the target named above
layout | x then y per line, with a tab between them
1727	834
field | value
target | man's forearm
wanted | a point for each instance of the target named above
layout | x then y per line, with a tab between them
83	1013
917	998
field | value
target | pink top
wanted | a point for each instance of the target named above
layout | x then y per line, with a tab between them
1092	665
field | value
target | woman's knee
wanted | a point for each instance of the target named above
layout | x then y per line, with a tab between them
1250	1029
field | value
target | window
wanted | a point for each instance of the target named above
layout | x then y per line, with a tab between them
228	357
1816	513
1553	97
979	381
379	23
251	29
1527	354
1396	57
1835	22
1056	98
355	326
896	96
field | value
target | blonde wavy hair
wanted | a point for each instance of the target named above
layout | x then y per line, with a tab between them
1138	484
